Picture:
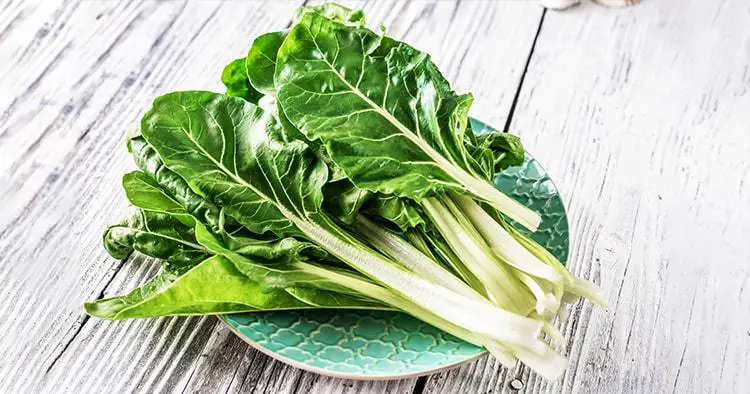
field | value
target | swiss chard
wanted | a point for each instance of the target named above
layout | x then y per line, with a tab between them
385	113
339	171
235	154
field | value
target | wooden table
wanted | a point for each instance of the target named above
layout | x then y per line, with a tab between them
641	115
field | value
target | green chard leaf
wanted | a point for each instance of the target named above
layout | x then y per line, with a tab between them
335	12
252	77
260	62
166	191
384	112
234	78
233	153
144	192
344	200
279	273
157	235
215	286
399	211
273	268
507	149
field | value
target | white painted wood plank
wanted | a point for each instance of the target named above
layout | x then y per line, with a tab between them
641	117
576	66
63	155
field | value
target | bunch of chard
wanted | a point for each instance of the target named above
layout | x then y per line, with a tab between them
339	170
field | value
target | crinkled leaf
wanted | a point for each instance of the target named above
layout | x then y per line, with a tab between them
507	149
167	189
383	110
157	235
232	153
344	200
260	62
386	115
399	211
281	273
145	193
335	12
235	79
272	248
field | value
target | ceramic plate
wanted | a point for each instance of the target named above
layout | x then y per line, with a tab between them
391	345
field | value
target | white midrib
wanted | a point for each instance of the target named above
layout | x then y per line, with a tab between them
412	259
481	189
380	293
470	314
503	244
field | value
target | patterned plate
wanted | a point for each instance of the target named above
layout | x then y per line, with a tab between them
378	345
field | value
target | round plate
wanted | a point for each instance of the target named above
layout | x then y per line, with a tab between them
378	345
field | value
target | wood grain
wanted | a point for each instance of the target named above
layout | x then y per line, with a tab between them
62	156
640	115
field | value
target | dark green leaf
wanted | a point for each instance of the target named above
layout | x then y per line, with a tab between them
399	211
233	153
261	61
384	112
280	273
143	192
507	149
235	79
344	200
335	12
171	188
157	235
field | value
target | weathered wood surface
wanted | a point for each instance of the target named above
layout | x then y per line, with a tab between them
641	115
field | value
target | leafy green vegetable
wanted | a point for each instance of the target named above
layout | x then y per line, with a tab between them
340	170
334	12
255	77
172	239
235	155
157	235
213	286
261	61
384	112
344	200
399	211
163	236
234	78
166	191
505	149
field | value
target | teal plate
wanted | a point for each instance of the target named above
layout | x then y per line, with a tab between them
377	345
